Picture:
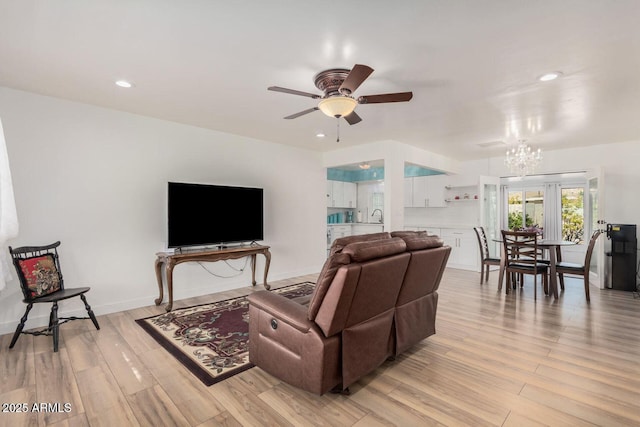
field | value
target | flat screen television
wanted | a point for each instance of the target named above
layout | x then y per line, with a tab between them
201	214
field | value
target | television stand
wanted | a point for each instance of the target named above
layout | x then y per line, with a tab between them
170	260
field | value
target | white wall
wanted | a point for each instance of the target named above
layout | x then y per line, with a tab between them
96	180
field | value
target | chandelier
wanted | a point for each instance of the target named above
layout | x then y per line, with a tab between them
523	160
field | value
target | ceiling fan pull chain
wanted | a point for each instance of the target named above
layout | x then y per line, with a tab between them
338	119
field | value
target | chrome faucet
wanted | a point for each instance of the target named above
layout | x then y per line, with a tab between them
374	212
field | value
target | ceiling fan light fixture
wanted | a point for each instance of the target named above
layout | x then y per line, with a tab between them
338	106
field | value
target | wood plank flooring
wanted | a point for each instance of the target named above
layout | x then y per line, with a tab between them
496	360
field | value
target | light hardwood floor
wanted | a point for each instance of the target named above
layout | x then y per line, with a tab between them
496	360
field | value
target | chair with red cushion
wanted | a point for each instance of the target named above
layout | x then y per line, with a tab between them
38	269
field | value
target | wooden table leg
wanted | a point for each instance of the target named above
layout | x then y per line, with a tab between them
559	259
267	256
158	266
169	270
503	262
253	270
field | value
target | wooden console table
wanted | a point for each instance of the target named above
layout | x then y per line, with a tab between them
170	260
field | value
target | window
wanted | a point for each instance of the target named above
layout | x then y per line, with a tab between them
572	206
531	202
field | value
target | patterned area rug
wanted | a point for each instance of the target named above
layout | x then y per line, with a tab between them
211	340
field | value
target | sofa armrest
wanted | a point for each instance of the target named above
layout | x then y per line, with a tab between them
282	308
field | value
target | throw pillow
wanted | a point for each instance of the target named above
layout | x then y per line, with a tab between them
40	274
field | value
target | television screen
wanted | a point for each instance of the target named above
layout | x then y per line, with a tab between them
200	214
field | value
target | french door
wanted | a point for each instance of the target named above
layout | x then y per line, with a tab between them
595	182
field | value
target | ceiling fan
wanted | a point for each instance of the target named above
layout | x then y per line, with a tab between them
338	85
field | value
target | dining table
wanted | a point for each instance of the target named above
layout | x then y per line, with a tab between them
555	256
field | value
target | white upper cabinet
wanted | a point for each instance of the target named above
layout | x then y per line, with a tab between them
425	191
341	194
350	194
408	192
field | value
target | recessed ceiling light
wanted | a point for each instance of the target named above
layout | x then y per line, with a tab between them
320	135
549	76
124	83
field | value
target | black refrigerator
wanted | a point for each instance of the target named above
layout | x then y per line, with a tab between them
623	256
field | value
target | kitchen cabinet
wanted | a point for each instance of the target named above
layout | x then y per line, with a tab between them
351	194
431	231
425	191
464	245
464	248
358	229
341	194
408	192
336	231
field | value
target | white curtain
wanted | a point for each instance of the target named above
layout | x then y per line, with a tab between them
552	211
8	214
504	221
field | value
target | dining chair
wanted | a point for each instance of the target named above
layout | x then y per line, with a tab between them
485	257
38	269
563	268
522	253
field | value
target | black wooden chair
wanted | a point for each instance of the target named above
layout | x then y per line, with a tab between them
41	280
522	257
485	258
563	268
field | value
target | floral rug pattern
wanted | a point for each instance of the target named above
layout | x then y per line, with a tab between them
212	340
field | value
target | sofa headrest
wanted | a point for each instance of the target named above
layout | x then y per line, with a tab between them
408	233
339	244
416	243
331	266
365	251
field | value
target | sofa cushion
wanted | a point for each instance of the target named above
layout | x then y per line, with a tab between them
339	244
331	265
364	251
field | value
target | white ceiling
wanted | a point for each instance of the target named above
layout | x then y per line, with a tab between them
471	64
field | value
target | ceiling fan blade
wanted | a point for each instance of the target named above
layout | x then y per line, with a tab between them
387	97
353	118
357	75
293	92
302	113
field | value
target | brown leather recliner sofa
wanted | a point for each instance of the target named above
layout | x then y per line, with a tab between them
375	297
